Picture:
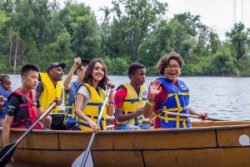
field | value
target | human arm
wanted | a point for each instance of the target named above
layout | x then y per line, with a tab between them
39	89
6	129
124	117
203	116
110	106
47	120
12	108
118	101
68	78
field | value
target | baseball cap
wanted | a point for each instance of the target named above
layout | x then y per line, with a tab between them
55	64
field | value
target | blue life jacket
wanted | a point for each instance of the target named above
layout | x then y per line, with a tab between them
70	102
5	94
177	102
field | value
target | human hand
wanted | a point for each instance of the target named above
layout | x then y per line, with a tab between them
154	89
78	61
139	111
111	85
203	116
1	100
58	101
93	125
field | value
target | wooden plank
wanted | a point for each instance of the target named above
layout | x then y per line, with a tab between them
237	157
118	158
230	137
218	123
74	140
37	140
46	158
162	139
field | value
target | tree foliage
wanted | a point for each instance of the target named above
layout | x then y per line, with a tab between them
45	31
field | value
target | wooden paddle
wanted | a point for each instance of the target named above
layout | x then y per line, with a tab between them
81	160
7	151
191	116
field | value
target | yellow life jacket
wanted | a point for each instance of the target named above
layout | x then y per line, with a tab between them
93	108
132	103
50	92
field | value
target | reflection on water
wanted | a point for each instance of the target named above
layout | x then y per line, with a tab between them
220	97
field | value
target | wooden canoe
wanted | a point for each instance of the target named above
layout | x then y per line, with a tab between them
207	144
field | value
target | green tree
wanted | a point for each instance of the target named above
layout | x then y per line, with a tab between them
83	29
238	37
131	26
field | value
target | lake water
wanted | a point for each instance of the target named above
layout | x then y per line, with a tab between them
220	97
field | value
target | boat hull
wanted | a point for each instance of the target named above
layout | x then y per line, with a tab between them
208	145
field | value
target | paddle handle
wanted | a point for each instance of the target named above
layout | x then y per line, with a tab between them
86	154
191	116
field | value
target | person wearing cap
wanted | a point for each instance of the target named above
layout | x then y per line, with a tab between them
50	88
70	89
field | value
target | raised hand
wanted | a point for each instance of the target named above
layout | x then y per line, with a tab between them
78	61
154	89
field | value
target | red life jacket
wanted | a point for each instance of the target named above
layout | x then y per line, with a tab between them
27	110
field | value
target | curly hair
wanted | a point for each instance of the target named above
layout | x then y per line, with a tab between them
3	77
165	60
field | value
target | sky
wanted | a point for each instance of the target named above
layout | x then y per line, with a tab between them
220	15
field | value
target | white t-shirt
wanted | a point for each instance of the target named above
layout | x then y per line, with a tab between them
83	90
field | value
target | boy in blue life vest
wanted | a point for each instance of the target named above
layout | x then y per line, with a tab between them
71	88
131	100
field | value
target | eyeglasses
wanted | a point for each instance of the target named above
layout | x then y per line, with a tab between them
172	66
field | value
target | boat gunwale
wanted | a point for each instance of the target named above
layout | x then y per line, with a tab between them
160	130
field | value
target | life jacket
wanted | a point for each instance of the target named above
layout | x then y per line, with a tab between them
27	110
5	94
50	92
93	108
177	101
132	103
70	102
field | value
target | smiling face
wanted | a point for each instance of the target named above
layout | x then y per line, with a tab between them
56	73
98	72
172	71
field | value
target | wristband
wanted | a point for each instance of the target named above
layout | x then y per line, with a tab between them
150	103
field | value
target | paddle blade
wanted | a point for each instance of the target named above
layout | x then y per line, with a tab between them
78	160
6	153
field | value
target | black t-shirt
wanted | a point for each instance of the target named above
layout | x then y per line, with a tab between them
13	104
